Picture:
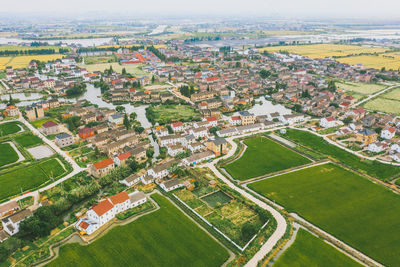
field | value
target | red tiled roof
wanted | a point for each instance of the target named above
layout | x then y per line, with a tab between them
236	118
177	124
211	118
103	163
102	207
86	130
83	225
330	119
391	129
49	124
119	198
124	156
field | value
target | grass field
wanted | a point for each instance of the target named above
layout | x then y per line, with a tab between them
317	144
324	50
38	123
387	60
25	178
23	61
309	250
7	155
217	198
132	69
355	210
170	113
362	88
388	102
263	156
9	128
99	59
165	237
28	140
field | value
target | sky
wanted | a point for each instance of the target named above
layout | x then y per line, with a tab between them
291	8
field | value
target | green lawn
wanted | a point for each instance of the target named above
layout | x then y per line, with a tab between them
352	208
309	250
171	113
28	140
263	156
373	168
29	177
165	237
7	155
9	128
38	123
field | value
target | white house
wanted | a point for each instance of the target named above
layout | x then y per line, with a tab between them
161	132
395	147
377	147
388	132
177	127
117	119
396	157
227	132
328	122
211	121
235	120
195	146
161	170
291	118
11	223
200	132
171	185
172	139
198	158
174	150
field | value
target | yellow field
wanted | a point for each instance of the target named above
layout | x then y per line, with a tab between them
324	50
23	61
128	46
24	48
388	60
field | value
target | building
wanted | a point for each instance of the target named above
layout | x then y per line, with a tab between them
171	185
64	139
102	167
107	209
116	119
50	127
328	122
8	207
12	111
366	137
247	117
34	112
218	146
86	132
122	158
11	223
198	158
177	127
388	133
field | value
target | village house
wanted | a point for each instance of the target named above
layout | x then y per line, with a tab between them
218	146
377	147
235	120
171	185
200	132
247	117
12	111
177	127
11	223
161	170
198	158
291	118
388	133
50	127
328	122
34	112
122	158
101	168
86	132
64	139
366	136
8	207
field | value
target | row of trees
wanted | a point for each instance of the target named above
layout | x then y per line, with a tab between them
44	51
187	90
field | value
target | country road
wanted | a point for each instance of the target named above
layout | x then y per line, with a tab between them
374	95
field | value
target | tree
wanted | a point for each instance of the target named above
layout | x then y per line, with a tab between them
214	130
134	165
248	231
298	108
139	129
378	130
332	86
348	120
120	109
127	122
150	152
133	116
264	73
123	71
153	79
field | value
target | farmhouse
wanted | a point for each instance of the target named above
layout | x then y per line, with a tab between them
102	167
8	207
247	118
171	185
328	122
11	223
388	132
50	127
218	146
64	139
198	158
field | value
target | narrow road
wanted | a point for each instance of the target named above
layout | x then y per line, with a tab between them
374	95
179	95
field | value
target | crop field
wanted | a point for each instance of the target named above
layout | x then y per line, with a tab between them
134	69
362	88
350	207
263	156
27	48
166	237
170	113
324	50
309	250
387	60
9	128
99	59
23	61
7	155
317	144
25	178
217	198
27	140
388	102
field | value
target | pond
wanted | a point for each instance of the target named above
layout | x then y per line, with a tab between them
266	107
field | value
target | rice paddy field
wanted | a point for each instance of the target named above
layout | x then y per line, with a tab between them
388	102
165	237
8	155
27	177
355	210
361	88
324	50
23	61
134	69
263	156
387	60
309	250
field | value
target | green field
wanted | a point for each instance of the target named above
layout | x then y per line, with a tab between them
38	123
388	102
25	178
7	155
362	214
28	140
171	113
263	156
100	59
134	69
309	250
317	144
362	88
165	237
9	128
216	199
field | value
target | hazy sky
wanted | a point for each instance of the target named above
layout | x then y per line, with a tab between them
315	8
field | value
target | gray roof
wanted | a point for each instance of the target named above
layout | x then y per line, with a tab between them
137	196
63	136
18	216
171	183
219	141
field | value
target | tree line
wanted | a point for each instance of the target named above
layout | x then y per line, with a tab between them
44	51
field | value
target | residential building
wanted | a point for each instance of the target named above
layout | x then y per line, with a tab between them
50	127
366	137
11	223
218	146
247	117
64	139
102	167
388	133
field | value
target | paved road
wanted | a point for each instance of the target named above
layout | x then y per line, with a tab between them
179	95
375	95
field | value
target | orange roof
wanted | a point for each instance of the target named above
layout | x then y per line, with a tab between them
102	207
84	225
119	198
12	107
103	163
124	156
